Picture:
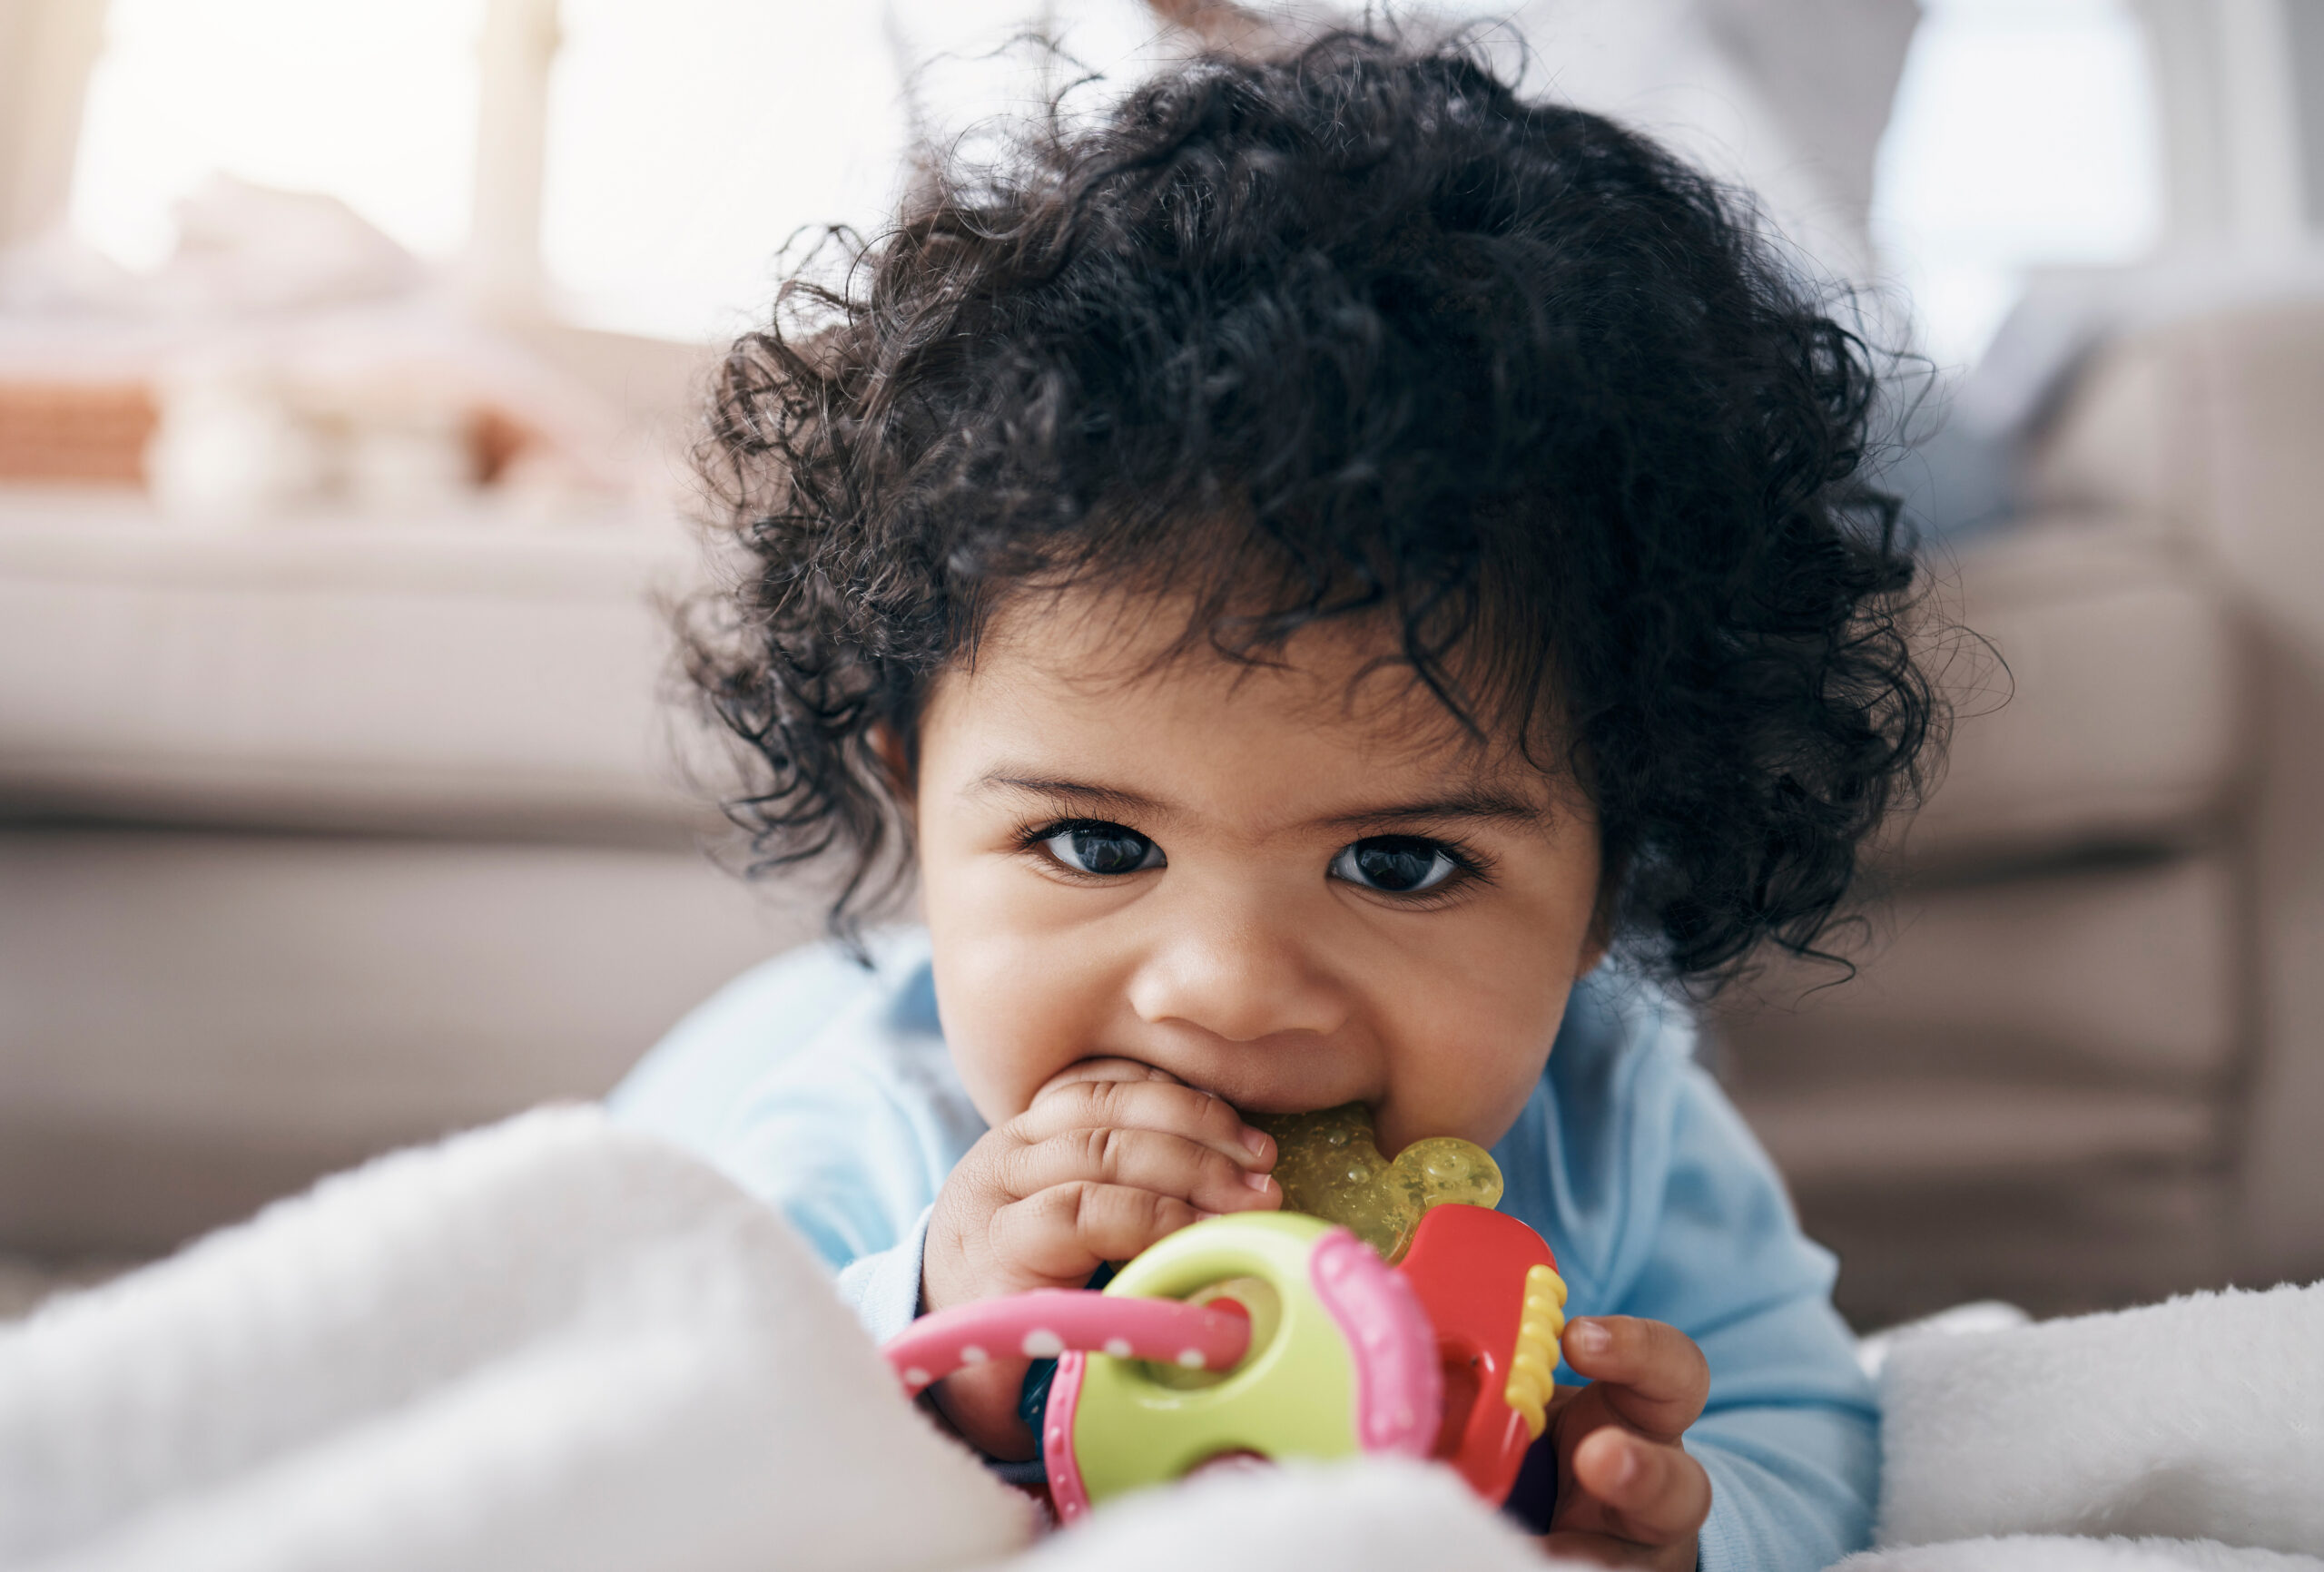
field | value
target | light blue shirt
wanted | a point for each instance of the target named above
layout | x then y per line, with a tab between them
826	1090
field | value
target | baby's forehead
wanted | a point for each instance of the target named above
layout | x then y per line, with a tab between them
1146	664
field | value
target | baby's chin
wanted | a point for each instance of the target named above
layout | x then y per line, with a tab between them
1284	1105
1270	1104
1397	1121
1376	1116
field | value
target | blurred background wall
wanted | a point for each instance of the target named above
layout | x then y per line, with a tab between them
348	356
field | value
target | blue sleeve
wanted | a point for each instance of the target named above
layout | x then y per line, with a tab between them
1791	1434
689	1085
883	1289
1664	1207
825	1091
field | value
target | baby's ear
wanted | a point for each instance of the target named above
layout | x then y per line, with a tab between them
1601	937
1593	949
888	745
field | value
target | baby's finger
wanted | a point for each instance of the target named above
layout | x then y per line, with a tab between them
1142	1159
1652	1493
1064	1231
1145	1105
1651	1375
1603	1550
1105	1070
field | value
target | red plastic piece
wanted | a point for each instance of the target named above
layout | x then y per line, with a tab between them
1467	1264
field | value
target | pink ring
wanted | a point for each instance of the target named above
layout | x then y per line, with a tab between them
1399	1385
1069	1493
1051	1322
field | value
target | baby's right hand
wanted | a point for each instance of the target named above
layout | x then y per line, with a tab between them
1111	1157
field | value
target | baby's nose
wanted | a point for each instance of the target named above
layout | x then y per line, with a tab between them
1235	977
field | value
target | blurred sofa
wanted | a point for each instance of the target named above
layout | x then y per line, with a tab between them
2083	1060
317	840
318	837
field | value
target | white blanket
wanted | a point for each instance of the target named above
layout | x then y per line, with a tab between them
2140	1438
558	1344
548	1345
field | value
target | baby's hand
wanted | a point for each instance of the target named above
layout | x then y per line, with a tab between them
1628	1493
1111	1157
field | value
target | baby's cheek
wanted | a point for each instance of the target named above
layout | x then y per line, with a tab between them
1010	1022
1469	1070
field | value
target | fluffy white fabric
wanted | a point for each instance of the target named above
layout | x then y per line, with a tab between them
552	1343
1366	1517
556	1343
2052	1553
2198	1419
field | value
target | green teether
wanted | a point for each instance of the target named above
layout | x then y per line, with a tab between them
1329	1167
1296	1394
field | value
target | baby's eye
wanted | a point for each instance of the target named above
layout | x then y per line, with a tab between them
1399	864
1103	848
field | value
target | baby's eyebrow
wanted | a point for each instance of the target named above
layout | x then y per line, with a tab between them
1477	804
1108	798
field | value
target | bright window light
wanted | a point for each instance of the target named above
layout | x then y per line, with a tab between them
2024	136
373	103
689	139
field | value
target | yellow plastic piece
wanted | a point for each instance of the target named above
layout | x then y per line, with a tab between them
1330	1167
1533	1369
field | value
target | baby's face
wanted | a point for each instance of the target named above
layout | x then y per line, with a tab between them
1240	877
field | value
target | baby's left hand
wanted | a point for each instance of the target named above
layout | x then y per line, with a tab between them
1628	1493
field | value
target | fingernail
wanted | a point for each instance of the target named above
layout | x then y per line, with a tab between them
1255	1142
1625	1467
1588	1337
1258	1181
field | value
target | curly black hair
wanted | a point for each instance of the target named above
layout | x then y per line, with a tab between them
1503	373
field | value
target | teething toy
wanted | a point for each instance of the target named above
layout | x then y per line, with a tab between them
1330	1167
1278	1335
1492	1292
1348	1364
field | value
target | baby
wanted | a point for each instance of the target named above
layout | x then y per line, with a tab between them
1339	582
